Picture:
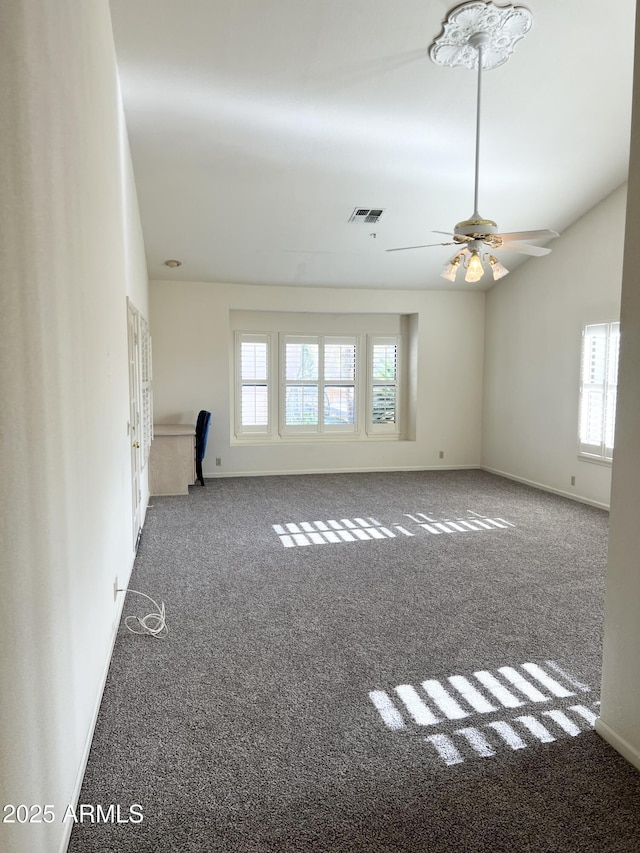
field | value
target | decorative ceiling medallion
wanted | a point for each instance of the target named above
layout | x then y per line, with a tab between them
501	28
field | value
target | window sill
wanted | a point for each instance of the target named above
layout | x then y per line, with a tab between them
338	438
596	460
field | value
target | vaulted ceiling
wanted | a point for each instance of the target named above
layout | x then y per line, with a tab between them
258	126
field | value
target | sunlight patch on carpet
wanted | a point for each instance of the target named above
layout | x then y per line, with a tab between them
438	703
367	529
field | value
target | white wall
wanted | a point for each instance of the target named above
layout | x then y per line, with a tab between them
619	721
192	346
534	321
71	252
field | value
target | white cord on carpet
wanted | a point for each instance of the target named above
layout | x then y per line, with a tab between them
153	624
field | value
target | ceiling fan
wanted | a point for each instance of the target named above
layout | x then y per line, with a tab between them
481	35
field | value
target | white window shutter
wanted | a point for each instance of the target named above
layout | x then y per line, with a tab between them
253	384
598	387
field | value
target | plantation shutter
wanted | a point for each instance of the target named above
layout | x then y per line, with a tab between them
598	389
339	397
319	384
301	382
384	379
254	383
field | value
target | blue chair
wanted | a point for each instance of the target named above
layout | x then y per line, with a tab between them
202	432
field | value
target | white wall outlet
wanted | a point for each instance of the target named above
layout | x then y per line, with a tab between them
441	454
573	480
115	587
218	461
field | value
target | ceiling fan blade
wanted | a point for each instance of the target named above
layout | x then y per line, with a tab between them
426	246
523	249
514	236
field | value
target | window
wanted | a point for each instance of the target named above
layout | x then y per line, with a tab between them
252	367
598	387
383	406
320	386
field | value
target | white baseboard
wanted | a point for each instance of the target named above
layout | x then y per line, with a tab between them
215	475
571	495
368	470
630	753
73	801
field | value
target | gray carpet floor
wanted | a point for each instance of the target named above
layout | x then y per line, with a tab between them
367	663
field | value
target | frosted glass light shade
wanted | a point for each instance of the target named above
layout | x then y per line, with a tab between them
450	271
497	269
475	270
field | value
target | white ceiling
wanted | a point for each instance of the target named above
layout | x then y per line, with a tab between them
257	126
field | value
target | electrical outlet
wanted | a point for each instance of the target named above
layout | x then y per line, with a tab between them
218	461
573	481
115	587
441	454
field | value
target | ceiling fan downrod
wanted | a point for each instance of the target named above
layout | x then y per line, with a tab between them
478	41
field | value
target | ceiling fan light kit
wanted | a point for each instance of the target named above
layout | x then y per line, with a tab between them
472	261
479	36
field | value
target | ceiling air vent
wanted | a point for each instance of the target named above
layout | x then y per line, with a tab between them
366	214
